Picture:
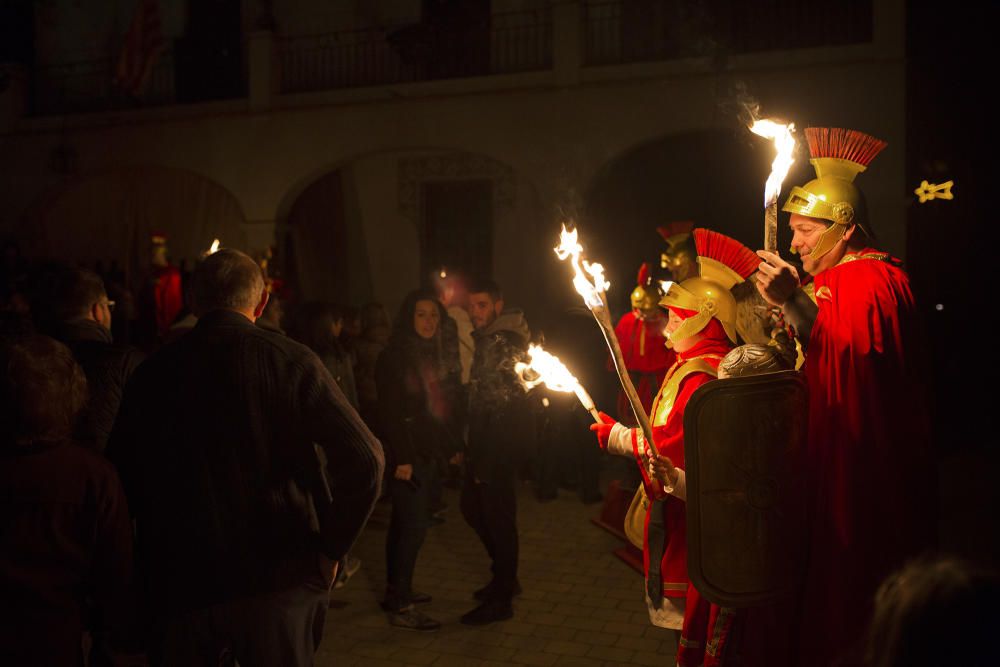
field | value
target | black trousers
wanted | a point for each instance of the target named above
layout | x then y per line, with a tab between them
491	510
407	531
281	628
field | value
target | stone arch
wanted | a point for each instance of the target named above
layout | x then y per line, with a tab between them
110	215
713	177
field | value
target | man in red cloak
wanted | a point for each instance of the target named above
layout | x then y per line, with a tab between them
867	459
162	299
644	348
701	330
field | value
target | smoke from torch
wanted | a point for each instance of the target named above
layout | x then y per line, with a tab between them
784	144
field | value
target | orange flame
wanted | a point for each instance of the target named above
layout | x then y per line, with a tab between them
588	279
784	144
548	369
216	244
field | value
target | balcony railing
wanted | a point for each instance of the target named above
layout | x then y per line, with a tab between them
88	86
512	42
628	31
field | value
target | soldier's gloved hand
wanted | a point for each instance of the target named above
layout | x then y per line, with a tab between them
603	430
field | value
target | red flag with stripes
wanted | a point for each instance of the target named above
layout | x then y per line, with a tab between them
143	44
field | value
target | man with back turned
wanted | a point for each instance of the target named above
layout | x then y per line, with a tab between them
248	475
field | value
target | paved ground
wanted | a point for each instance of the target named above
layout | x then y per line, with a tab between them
580	606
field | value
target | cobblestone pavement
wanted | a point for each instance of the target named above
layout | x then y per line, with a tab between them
580	606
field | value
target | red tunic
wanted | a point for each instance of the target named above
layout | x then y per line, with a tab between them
706	626
647	358
867	461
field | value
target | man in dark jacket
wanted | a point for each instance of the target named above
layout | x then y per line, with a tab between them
248	474
73	307
499	429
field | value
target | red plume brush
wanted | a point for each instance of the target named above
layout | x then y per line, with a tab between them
675	228
850	145
729	251
644	278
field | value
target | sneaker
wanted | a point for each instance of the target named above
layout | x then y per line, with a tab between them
415	598
486	592
409	618
488	612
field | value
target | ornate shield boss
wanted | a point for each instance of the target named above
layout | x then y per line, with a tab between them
743	438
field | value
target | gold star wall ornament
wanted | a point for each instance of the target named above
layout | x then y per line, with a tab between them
928	191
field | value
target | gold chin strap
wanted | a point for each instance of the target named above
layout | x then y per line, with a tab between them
828	240
690	326
697	322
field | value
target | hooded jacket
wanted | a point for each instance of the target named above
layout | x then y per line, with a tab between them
500	424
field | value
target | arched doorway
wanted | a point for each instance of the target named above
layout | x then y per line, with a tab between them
375	226
110	217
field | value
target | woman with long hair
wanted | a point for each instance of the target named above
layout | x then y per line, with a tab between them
419	387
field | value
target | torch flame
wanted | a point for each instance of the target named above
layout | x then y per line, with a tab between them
215	247
784	144
590	288
546	368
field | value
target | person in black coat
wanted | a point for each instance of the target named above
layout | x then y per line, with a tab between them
419	386
72	306
501	434
248	474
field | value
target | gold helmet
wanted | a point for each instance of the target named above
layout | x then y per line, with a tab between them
838	156
680	255
646	296
722	264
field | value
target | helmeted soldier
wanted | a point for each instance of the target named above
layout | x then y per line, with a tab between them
680	257
644	347
867	459
701	330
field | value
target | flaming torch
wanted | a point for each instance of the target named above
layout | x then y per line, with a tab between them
784	144
546	368
589	281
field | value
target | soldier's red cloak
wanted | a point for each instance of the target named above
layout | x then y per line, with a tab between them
870	486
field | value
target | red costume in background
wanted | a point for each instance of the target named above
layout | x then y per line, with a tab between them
168	296
646	357
867	460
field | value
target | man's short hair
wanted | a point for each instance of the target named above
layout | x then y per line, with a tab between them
67	293
227	279
486	286
41	392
